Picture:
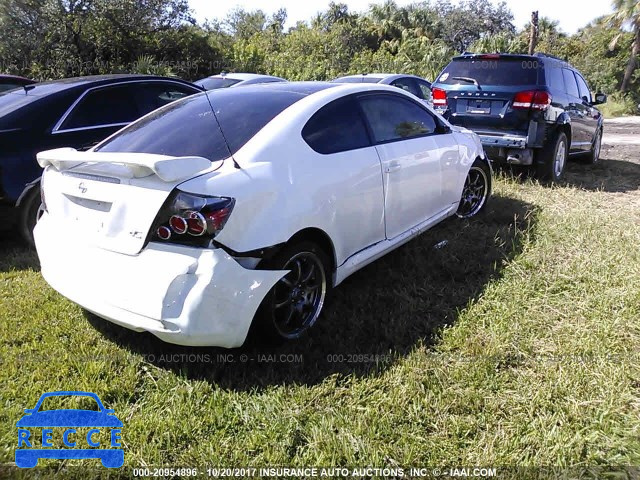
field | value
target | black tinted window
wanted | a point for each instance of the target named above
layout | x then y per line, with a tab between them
570	83
154	95
583	89
555	79
394	118
186	128
104	106
337	127
425	89
408	85
503	71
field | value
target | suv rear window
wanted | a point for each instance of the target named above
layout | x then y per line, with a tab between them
502	71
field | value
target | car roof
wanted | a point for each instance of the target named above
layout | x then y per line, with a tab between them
55	86
16	78
243	76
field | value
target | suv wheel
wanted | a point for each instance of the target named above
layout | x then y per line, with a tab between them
552	158
594	154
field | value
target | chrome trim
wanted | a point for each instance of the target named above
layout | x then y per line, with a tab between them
510	141
94	127
87	176
56	128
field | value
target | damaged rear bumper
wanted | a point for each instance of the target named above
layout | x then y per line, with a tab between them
182	295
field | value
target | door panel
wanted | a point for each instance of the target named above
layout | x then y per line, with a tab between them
577	111
411	153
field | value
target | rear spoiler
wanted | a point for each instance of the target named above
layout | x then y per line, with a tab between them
168	169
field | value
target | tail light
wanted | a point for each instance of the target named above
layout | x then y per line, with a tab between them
439	97
534	99
191	219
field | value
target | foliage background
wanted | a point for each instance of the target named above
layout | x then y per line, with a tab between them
59	38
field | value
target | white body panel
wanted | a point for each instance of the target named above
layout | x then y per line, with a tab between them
94	248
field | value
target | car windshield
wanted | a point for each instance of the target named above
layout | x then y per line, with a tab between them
189	128
490	71
217	82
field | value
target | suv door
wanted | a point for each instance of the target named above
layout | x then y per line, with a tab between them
578	113
96	114
592	116
411	151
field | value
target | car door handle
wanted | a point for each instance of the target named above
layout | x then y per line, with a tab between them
392	167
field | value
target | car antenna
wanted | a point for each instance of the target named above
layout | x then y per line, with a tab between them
213	110
28	88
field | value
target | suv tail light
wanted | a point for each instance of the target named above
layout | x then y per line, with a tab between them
439	97
191	219
535	99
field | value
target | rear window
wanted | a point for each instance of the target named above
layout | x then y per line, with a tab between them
214	83
503	71
188	127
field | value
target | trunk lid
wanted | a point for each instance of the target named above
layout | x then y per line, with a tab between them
110	200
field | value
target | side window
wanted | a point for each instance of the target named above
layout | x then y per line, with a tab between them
583	88
154	95
337	127
104	106
555	78
408	85
394	118
570	83
425	89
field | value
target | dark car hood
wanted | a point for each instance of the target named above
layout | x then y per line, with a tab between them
69	418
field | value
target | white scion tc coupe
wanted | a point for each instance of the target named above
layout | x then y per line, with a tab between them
247	205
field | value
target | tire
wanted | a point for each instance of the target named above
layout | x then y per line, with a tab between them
295	303
29	214
476	190
593	156
551	161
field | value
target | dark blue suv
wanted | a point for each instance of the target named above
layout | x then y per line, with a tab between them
532	110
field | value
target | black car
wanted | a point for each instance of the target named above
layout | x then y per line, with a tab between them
75	112
9	82
527	109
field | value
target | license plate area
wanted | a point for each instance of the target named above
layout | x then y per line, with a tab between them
479	107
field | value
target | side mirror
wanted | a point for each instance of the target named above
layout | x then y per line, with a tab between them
600	99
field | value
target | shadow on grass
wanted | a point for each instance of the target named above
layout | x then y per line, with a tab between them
377	315
14	254
608	175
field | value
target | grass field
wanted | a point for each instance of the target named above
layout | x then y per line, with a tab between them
516	343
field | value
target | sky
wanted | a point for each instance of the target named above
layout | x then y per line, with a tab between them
572	14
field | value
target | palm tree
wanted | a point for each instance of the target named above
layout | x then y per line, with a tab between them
627	13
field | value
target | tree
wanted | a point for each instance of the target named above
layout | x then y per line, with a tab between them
627	13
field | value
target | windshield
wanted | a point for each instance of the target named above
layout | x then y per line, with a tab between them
217	82
188	127
502	71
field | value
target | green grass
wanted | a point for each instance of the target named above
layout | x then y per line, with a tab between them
515	344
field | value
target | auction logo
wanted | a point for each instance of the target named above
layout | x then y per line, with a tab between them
60	425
